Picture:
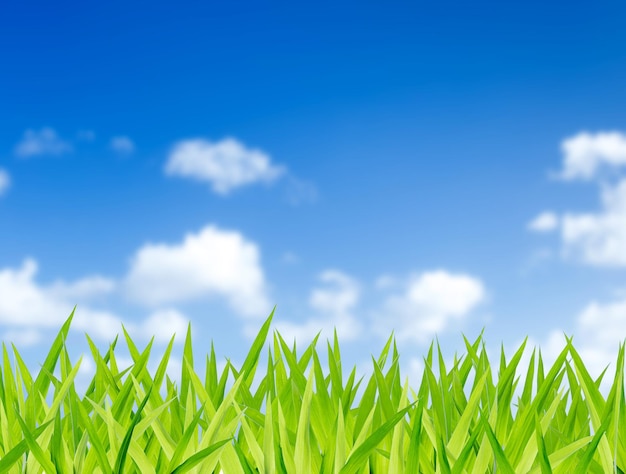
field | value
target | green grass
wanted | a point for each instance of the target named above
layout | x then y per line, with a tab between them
304	418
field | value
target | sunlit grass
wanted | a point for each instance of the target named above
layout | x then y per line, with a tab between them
303	418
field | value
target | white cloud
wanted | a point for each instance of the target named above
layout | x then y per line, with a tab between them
86	288
23	338
334	304
31	307
430	302
122	144
586	152
599	239
5	181
211	262
164	323
42	142
544	222
226	164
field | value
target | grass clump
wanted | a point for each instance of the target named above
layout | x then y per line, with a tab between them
304	419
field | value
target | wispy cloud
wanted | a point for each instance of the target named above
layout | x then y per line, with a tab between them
212	262
544	222
226	164
334	304
5	181
429	303
86	135
42	142
122	144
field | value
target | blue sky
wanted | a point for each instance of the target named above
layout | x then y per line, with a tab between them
426	169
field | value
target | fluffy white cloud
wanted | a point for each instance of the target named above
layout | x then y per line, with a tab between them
42	142
429	303
122	144
586	152
334	304
599	239
210	262
28	307
5	181
226	164
544	222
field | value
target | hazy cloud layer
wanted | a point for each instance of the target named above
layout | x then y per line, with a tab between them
225	165
42	142
5	181
122	144
211	262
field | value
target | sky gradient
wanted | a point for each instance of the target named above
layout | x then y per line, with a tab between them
431	170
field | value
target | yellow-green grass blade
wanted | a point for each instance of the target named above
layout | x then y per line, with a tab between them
542	455
37	451
17	452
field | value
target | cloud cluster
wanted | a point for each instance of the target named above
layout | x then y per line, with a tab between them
210	263
598	238
226	164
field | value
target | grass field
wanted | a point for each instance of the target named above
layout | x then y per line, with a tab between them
304	418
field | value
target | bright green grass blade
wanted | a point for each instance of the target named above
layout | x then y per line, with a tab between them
415	442
457	440
199	457
384	397
285	441
596	405
251	360
444	463
501	460
302	453
270	446
359	456
583	465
